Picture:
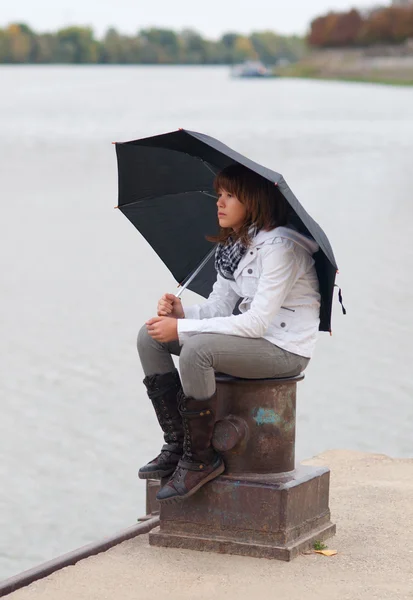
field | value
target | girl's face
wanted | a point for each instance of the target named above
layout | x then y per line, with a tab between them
231	212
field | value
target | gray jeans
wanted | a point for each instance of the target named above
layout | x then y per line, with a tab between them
203	354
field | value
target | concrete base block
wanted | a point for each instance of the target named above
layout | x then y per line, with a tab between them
271	516
223	546
152	505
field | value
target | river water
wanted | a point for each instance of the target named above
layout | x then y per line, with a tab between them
77	280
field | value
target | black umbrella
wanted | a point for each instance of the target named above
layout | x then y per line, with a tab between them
166	191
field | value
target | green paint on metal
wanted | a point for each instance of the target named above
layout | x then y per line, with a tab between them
266	415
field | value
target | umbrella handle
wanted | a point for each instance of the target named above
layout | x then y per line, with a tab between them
195	273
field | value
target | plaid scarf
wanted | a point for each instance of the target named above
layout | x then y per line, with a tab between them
228	255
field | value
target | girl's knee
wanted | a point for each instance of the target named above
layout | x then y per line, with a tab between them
143	338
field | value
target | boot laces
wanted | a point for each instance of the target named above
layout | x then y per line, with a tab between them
187	455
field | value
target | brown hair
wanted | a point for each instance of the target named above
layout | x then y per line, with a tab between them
266	206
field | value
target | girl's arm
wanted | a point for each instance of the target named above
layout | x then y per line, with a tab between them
280	271
220	302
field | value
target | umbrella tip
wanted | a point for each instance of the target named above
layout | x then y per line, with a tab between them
275	183
114	142
116	207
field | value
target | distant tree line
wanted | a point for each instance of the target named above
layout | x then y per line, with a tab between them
392	25
78	45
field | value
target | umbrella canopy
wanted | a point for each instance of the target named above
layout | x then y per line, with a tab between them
166	191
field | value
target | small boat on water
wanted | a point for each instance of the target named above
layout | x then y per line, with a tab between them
251	68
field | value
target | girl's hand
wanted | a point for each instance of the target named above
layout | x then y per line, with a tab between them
170	306
163	329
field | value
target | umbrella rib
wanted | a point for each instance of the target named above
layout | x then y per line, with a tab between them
208	167
164	196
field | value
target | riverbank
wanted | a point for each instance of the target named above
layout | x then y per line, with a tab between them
380	65
372	504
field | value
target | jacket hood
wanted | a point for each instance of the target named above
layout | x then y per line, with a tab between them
288	233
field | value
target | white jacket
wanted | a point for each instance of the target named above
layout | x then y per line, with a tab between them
278	283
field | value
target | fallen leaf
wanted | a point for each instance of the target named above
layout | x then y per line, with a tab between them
326	552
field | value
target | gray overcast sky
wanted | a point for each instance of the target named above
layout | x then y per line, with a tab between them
211	18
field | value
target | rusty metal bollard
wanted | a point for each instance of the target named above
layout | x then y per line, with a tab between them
257	435
262	505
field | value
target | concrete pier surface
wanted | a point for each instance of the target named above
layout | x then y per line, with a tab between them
371	500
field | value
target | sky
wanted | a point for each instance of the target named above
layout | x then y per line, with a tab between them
211	18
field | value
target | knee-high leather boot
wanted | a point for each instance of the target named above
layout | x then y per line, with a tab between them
163	390
200	463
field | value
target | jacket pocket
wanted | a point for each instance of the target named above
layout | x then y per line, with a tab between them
249	280
283	320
